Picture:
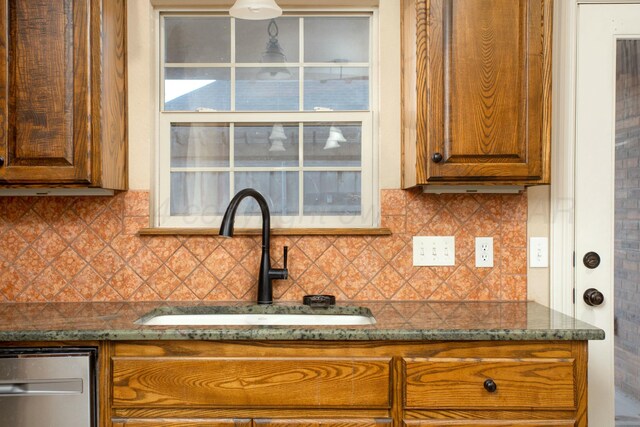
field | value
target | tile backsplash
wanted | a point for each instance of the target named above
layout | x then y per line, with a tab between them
87	249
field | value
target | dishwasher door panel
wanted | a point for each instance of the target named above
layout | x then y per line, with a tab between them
46	390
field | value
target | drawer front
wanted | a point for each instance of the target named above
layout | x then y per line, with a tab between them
491	423
183	423
460	383
326	422
251	382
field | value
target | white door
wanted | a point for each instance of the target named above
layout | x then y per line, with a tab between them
600	194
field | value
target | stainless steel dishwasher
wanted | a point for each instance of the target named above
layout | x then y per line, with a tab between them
47	387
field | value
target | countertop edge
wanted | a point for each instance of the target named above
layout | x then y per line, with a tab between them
287	334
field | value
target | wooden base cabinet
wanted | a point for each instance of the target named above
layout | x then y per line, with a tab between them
63	93
347	384
476	91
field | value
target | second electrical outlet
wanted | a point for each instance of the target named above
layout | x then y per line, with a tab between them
484	251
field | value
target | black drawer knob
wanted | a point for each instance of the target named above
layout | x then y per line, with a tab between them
490	385
437	157
1	161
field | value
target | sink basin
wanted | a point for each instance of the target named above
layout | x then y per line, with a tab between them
258	316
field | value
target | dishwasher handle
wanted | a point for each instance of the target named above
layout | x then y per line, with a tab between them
42	387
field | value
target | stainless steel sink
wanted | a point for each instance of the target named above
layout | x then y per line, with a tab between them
258	316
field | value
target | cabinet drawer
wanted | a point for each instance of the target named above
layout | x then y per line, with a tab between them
183	423
520	384
251	382
491	423
327	422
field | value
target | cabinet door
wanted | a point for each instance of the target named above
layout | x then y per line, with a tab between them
486	103
45	94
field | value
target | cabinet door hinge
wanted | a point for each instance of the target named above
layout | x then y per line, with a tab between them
574	259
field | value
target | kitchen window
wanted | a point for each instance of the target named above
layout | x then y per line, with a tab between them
285	106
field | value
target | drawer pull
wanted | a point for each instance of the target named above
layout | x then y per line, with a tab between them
490	385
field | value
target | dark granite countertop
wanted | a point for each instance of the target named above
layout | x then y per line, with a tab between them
394	321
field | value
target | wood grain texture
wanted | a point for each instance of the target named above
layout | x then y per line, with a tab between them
52	66
491	423
183	423
274	231
539	368
521	383
328	422
251	382
111	168
483	91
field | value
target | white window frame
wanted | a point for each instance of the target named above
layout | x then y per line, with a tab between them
370	215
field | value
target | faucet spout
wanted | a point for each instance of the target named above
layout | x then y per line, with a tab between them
266	273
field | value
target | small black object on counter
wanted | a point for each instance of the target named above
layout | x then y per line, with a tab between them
319	300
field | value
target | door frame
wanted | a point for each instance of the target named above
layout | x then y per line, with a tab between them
563	142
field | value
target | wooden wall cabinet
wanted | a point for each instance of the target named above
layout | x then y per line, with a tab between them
476	91
63	93
346	384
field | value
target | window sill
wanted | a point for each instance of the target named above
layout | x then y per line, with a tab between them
274	231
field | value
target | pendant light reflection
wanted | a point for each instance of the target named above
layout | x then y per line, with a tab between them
273	54
335	138
255	9
277	138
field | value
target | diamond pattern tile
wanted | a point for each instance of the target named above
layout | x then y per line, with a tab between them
30	226
69	263
87	248
30	264
201	282
182	263
87	282
107	225
11	245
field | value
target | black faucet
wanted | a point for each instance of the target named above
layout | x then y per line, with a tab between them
266	274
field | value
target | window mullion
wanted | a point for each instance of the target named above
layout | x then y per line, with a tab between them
301	65
301	169
233	64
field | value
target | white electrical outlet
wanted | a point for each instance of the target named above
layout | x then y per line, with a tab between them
431	251
538	252
484	251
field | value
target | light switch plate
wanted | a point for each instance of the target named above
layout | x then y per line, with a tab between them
432	251
484	252
538	252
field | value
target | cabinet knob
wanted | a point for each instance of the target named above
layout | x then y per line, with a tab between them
593	297
437	157
490	385
1	161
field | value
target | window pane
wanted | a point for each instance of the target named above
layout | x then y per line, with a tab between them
280	189
339	144
199	193
337	88
332	193
336	39
272	88
199	144
260	41
197	39
194	89
272	145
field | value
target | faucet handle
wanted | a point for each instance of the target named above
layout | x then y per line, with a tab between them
286	251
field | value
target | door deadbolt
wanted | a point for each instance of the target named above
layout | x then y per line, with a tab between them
591	260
